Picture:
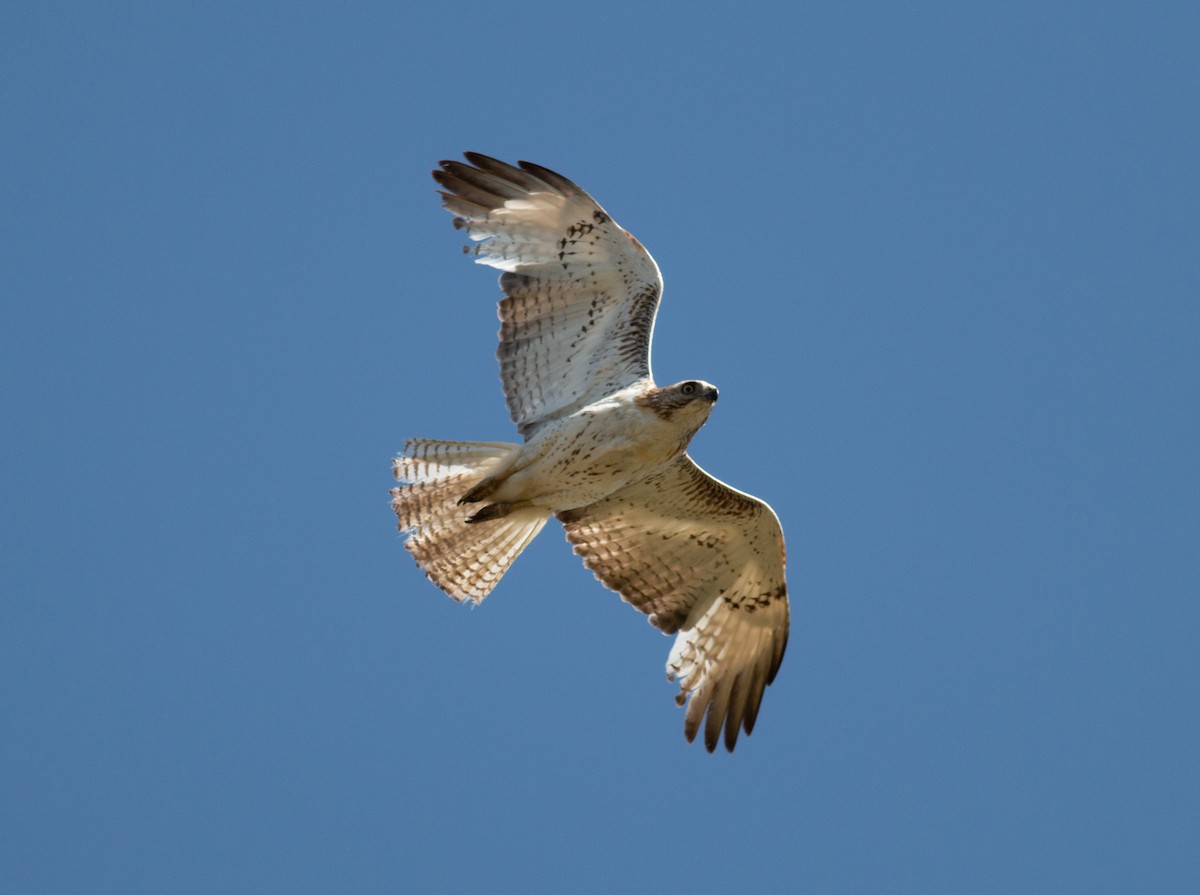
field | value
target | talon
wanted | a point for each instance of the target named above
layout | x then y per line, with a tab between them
491	511
480	491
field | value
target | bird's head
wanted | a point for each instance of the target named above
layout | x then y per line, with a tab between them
687	403
696	390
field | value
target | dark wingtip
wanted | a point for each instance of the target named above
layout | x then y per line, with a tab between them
564	185
479	160
775	666
444	165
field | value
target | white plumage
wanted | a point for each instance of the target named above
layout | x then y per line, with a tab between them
605	449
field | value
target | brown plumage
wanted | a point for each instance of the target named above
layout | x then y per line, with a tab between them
604	451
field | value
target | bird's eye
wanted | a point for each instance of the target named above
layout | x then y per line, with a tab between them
688	388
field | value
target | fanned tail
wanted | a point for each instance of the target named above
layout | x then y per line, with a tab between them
466	560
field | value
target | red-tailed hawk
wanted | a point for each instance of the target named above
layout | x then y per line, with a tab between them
605	449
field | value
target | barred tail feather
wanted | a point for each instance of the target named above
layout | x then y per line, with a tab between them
465	560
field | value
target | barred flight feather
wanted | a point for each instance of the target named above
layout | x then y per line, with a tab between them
605	449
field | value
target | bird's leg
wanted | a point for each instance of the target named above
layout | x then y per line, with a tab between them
497	510
492	483
484	489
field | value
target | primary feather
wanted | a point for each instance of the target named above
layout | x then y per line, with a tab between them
605	449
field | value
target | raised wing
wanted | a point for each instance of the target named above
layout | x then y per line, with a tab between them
581	293
707	562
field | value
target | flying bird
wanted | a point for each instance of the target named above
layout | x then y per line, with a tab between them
605	449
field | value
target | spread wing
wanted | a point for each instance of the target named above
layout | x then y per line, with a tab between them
707	562
580	292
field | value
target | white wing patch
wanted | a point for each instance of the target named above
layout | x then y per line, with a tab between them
581	293
704	561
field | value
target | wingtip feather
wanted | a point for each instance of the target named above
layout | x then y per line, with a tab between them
553	178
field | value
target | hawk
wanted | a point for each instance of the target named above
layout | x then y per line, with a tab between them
605	449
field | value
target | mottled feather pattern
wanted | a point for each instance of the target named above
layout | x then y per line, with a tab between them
706	561
426	459
581	294
724	661
464	560
534	318
605	449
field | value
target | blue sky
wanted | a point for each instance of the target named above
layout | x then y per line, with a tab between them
941	259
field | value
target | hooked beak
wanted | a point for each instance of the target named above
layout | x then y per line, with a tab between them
712	394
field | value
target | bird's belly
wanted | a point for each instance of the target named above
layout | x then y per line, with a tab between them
586	463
